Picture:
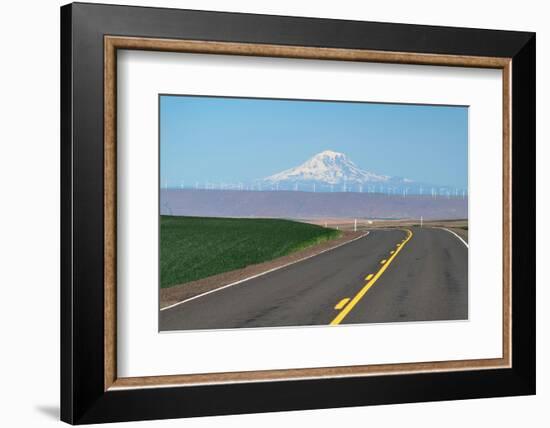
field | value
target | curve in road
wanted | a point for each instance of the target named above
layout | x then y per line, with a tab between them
423	280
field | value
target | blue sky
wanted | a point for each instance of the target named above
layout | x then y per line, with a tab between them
239	140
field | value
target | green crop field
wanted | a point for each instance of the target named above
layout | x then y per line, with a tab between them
193	248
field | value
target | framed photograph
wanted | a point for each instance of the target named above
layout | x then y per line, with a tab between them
265	213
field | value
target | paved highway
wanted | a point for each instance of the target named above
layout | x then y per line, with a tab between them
414	274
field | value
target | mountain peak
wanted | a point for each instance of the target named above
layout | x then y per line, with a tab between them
329	154
327	167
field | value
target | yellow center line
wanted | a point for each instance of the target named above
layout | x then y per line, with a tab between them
342	303
369	284
368	277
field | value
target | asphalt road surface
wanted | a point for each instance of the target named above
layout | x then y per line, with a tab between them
414	274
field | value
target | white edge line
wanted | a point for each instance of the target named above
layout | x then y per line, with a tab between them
262	273
455	234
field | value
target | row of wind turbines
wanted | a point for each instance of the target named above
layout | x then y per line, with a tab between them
434	192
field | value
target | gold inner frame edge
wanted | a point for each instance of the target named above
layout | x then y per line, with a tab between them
113	43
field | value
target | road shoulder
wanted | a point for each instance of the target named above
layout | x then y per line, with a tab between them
178	293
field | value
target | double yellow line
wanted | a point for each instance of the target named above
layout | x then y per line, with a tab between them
347	309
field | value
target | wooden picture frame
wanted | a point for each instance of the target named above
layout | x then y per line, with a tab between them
91	390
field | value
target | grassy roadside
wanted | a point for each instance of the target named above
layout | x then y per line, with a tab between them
193	248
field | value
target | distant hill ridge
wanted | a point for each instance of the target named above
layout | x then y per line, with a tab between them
292	204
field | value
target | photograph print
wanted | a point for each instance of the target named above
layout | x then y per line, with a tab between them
286	213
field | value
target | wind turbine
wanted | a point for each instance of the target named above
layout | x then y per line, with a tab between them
168	208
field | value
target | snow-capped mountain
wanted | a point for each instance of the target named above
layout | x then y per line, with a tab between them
332	169
328	167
